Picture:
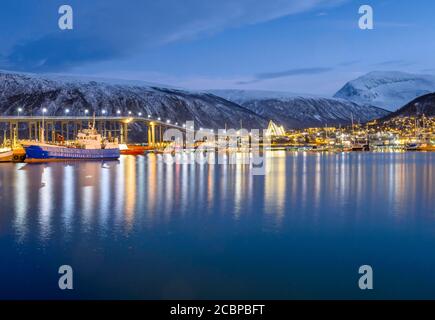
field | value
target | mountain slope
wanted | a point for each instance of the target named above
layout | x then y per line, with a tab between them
388	90
424	105
295	111
32	93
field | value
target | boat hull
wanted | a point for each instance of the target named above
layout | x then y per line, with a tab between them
135	150
37	153
6	156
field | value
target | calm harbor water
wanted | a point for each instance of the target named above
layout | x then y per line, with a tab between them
139	228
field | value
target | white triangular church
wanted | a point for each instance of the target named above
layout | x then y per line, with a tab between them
275	130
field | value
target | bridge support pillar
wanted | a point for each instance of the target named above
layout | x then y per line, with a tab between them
124	132
53	131
152	135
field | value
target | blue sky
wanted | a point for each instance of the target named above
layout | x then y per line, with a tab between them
304	46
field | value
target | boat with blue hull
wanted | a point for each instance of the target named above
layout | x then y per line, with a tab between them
48	152
89	145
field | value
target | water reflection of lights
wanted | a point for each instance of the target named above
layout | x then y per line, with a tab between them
45	203
275	185
144	190
69	200
151	185
119	194
168	189
21	203
87	180
130	189
105	197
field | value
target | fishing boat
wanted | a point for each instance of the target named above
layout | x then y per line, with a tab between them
360	144
419	146
322	148
89	145
6	154
413	146
133	150
19	154
427	147
360	147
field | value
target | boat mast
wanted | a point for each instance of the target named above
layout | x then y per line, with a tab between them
351	117
93	121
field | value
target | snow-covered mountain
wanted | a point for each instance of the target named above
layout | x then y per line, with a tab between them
298	111
215	109
242	96
388	90
32	93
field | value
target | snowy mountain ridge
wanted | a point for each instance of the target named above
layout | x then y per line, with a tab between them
298	111
387	89
32	93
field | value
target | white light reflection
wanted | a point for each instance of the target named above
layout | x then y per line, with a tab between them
46	199
21	203
68	197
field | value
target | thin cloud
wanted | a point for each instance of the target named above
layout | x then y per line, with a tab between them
287	73
392	24
393	63
111	29
348	63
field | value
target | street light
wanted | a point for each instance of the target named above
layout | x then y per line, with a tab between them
86	111
158	118
129	112
149	116
168	121
103	111
118	112
140	114
19	111
67	111
42	138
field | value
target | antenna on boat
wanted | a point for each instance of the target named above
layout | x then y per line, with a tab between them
93	121
351	117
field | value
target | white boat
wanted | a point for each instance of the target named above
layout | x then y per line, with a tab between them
89	145
6	154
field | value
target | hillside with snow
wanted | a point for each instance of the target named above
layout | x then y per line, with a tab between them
32	93
424	105
214	109
242	96
299	111
388	90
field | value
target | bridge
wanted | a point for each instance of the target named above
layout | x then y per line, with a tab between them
69	126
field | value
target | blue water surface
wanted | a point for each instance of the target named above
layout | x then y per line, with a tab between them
143	229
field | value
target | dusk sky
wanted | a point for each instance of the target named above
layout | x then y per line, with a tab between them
303	46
